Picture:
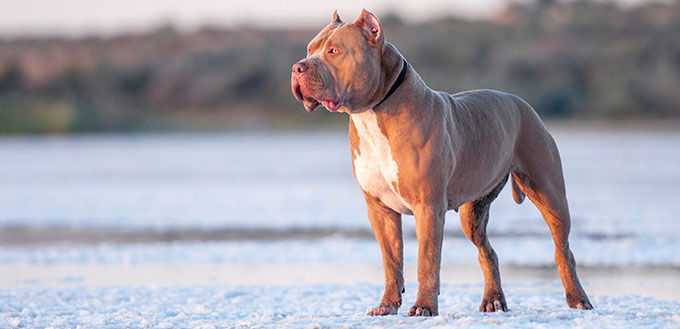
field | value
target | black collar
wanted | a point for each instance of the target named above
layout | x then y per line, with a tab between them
397	82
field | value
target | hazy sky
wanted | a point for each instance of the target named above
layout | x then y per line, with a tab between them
77	17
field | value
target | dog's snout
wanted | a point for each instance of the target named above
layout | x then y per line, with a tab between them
299	68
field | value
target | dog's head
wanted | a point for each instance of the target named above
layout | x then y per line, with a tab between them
342	69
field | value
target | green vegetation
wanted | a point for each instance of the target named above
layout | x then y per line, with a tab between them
576	60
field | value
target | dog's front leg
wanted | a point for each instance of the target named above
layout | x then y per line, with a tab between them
429	231
386	224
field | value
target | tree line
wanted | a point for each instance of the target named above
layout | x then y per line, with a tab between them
577	60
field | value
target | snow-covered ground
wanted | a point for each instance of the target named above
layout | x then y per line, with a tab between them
622	188
311	306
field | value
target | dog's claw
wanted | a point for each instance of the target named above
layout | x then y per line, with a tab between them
422	311
497	305
585	305
383	310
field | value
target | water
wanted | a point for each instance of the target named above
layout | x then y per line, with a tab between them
177	180
621	185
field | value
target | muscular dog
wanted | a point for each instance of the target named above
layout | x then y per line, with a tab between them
422	152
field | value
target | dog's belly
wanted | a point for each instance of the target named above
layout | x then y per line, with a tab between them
374	167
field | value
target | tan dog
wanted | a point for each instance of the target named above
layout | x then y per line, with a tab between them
423	152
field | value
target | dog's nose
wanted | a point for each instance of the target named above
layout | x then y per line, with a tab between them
299	68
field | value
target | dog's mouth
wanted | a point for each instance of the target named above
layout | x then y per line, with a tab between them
331	105
296	89
311	103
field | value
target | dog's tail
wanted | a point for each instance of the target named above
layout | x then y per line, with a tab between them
517	193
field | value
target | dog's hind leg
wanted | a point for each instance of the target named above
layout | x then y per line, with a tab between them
540	177
474	217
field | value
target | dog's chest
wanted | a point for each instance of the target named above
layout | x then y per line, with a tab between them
374	166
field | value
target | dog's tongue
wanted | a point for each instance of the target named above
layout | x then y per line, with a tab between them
331	105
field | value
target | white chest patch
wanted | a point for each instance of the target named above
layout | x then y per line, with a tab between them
375	168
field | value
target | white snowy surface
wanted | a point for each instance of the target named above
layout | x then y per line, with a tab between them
313	306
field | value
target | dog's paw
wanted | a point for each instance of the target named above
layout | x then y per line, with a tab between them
579	302
422	311
383	310
493	305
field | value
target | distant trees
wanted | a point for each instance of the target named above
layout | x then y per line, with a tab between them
580	60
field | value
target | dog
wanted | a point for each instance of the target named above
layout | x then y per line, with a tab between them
422	152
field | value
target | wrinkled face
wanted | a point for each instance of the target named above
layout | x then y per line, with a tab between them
341	70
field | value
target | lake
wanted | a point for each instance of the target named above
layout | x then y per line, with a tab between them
619	183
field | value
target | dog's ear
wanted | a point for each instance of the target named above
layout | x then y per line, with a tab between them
370	27
336	18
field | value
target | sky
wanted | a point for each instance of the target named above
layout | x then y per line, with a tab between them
84	17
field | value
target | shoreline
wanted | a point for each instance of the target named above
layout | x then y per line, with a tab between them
42	236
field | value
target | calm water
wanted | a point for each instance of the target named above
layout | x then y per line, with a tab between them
621	184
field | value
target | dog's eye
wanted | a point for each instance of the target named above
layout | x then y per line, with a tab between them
333	51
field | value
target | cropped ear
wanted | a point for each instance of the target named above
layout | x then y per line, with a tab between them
370	27
336	18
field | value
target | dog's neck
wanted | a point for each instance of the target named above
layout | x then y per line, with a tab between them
392	65
397	82
400	115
